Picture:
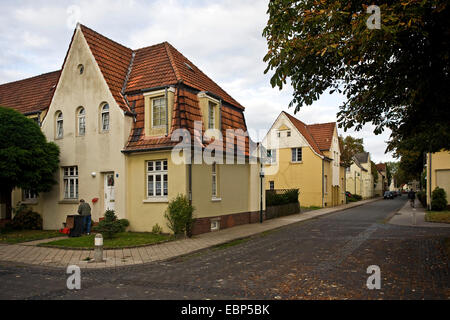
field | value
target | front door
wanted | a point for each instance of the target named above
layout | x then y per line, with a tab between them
109	191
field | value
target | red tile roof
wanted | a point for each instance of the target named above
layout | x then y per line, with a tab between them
381	166
305	132
29	95
323	134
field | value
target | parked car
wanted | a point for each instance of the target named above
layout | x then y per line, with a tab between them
388	195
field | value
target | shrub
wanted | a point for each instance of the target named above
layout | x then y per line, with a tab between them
110	225
179	215
438	199
26	219
422	197
357	197
275	199
157	229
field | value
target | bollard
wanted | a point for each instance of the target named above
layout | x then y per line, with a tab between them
98	250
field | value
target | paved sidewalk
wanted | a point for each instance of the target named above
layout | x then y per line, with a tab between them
52	257
405	217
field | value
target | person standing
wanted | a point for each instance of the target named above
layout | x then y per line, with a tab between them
84	209
411	197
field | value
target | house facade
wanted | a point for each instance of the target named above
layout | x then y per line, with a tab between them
381	184
438	173
305	157
359	176
119	117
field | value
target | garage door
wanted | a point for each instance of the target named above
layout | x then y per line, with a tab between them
443	181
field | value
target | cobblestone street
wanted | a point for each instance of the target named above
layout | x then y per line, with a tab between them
323	258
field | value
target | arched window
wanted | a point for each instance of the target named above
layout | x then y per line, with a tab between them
105	117
59	125
81	121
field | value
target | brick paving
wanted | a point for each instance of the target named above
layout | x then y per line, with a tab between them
323	258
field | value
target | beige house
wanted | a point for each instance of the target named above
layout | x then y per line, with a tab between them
359	176
381	184
116	115
438	173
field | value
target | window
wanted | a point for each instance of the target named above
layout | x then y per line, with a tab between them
211	115
215	225
29	195
71	182
278	134
80	69
288	133
159	112
272	155
59	125
81	122
296	154
271	185
157	178
105	117
214	180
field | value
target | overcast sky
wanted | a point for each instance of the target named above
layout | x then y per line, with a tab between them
223	38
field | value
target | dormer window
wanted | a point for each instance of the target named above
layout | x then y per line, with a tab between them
105	118
59	125
159	112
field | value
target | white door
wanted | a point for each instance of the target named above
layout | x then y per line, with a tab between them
109	191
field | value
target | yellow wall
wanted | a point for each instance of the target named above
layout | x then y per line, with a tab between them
306	176
440	165
143	214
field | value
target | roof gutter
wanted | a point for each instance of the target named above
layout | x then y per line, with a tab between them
146	150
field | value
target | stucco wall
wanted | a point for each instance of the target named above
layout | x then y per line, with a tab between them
440	173
95	151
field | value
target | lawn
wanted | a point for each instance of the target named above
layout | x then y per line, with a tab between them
438	216
121	240
12	237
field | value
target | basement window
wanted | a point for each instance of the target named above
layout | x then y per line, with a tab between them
215	225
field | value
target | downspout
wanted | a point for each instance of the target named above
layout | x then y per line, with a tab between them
323	192
429	198
220	115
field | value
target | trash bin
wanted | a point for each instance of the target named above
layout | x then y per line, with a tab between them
75	223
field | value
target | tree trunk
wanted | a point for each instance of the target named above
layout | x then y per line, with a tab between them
5	198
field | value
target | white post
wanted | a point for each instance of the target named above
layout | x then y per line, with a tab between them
98	250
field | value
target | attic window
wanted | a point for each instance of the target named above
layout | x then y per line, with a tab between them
80	69
189	67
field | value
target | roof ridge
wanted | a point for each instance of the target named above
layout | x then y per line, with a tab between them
103	36
29	78
172	62
306	128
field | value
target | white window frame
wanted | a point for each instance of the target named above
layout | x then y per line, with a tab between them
70	182
272	155
215	224
211	115
157	169
81	116
105	118
214	191
29	196
59	125
161	112
296	158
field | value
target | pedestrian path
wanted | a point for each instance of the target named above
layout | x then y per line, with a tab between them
414	217
54	257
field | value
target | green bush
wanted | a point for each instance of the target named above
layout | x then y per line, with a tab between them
357	197
276	199
438	199
157	229
110	225
26	219
422	197
179	215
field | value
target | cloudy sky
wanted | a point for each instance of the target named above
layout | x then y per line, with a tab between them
223	38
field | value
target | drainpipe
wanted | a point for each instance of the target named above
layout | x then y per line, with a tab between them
323	191
429	179
261	176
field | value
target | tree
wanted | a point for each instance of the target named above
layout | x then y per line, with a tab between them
27	160
350	146
395	77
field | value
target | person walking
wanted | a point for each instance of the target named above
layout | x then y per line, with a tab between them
84	209
411	197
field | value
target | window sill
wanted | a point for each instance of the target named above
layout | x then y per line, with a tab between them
156	200
296	162
68	201
214	199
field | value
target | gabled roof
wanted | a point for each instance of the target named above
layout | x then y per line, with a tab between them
363	157
305	132
323	134
29	95
357	162
381	167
